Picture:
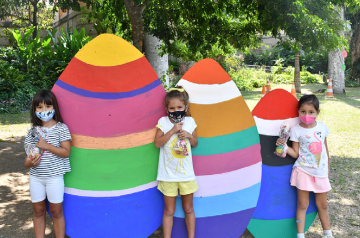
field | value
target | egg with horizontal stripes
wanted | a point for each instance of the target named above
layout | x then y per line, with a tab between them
111	99
275	214
227	160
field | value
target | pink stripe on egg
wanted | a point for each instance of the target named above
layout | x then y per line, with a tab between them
222	163
110	117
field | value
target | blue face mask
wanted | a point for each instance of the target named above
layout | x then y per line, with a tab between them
45	116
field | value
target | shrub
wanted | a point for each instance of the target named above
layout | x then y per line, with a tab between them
246	79
306	77
34	64
314	61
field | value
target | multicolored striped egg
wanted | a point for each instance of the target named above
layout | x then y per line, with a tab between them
275	214
111	99
227	160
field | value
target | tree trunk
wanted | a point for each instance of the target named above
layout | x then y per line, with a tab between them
355	45
335	73
159	63
67	21
34	20
137	24
297	73
334	66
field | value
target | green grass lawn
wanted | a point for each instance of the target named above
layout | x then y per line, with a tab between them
341	114
14	126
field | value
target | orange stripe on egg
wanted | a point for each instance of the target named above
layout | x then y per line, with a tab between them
207	71
221	118
113	143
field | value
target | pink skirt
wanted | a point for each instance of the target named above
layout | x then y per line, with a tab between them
306	182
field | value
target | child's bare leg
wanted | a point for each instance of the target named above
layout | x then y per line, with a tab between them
187	203
302	205
321	203
57	214
39	212
168	215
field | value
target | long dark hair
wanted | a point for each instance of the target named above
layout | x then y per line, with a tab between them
47	97
182	96
309	99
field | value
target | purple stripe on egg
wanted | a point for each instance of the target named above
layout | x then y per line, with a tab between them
230	225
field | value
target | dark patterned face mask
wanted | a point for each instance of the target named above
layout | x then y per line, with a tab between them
177	116
45	116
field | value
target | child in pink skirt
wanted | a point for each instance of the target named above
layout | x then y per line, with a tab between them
311	169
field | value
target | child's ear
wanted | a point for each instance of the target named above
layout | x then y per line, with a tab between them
167	112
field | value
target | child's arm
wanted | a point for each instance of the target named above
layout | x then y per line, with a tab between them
292	151
63	151
161	139
327	151
192	137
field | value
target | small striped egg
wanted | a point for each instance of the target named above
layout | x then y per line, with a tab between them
111	99
275	212
227	160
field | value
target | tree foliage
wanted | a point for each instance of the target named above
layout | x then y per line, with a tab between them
109	16
199	27
26	14
311	24
194	29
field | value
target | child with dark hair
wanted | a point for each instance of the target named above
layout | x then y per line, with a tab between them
311	169
175	136
52	136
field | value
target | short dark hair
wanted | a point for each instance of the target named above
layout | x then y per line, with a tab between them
47	97
309	99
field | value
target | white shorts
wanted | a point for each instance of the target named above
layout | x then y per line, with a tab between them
50	187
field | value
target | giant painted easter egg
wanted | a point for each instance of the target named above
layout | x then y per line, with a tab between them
111	99
227	160
275	212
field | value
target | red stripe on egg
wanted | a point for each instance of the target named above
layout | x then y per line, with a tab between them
109	79
282	103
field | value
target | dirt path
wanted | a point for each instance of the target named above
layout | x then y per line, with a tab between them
15	204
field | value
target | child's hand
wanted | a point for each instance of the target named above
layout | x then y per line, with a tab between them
184	134
31	162
42	144
280	142
177	127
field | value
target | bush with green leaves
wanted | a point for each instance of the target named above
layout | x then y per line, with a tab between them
313	61
307	78
351	83
246	79
33	64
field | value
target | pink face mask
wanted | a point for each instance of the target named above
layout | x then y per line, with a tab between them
307	119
